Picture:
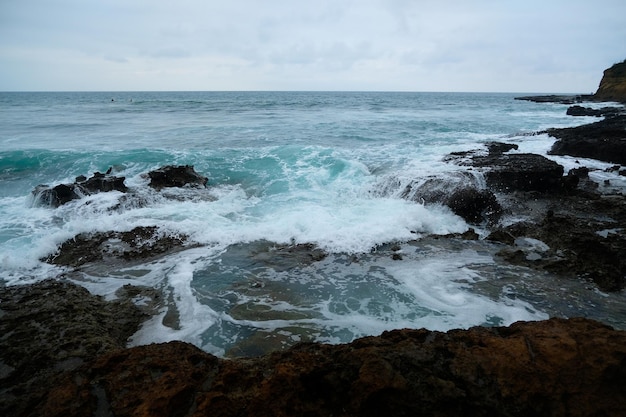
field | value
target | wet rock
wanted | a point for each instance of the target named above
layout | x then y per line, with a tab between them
474	206
460	193
138	243
53	327
281	257
64	193
585	239
555	98
520	172
604	140
502	236
588	111
552	368
497	148
176	176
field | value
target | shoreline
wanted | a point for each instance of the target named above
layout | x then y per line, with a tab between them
569	212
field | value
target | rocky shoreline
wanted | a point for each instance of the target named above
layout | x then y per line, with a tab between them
63	350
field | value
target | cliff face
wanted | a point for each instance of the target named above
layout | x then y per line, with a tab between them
613	84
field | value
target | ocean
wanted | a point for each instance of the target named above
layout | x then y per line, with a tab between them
328	169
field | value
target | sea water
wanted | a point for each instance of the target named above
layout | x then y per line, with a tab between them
327	169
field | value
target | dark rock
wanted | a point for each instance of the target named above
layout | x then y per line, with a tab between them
55	196
103	183
474	205
563	99
502	236
604	140
64	193
588	111
176	176
138	243
283	257
520	172
583	236
497	148
556	367
50	328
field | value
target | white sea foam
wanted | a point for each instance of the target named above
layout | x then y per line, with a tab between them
327	169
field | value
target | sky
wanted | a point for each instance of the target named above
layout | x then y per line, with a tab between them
542	46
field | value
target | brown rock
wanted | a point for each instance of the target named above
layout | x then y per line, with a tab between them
613	84
556	367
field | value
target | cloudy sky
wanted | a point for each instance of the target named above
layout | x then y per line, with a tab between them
383	45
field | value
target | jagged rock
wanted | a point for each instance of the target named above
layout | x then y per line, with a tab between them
520	172
176	176
474	205
583	236
53	327
103	183
497	148
563	99
613	84
604	140
588	111
502	236
138	243
556	367
64	193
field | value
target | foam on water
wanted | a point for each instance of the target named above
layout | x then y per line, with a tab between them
329	169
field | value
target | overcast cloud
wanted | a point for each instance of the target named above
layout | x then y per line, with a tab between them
384	45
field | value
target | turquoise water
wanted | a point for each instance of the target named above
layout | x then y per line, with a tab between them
326	169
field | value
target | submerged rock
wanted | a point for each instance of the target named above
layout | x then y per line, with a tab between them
138	243
551	368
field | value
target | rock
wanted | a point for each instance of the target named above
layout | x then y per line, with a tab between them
64	193
604	140
103	183
502	236
583	236
563	99
53	327
520	172
497	148
588	111
176	176
613	84
280	257
556	367
138	243
474	206
55	196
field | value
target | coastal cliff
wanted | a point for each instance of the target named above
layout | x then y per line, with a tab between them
613	84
